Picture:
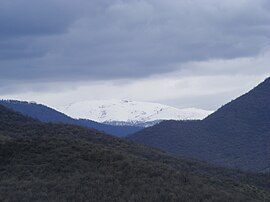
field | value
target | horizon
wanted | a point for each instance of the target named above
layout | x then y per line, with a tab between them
181	54
59	107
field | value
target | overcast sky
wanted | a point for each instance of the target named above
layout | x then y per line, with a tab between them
184	53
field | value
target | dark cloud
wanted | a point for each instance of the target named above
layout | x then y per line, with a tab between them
30	17
90	40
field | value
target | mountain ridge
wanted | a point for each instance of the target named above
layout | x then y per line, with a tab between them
47	114
126	112
60	162
237	135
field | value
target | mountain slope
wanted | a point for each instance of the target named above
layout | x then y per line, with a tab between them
46	114
56	162
237	135
130	112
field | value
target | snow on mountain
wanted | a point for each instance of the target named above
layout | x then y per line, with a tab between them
125	112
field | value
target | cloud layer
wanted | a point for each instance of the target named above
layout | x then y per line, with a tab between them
199	53
61	40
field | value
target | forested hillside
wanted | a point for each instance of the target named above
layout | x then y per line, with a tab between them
56	162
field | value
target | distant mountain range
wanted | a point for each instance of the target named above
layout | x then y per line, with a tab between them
132	113
61	162
47	114
237	135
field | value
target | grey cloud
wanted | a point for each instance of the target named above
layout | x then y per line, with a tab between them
24	22
30	17
84	40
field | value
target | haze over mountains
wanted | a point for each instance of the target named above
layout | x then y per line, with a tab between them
237	135
127	112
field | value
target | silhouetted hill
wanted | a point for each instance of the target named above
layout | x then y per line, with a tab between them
237	135
49	115
58	162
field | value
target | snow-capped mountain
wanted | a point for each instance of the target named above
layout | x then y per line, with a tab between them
125	112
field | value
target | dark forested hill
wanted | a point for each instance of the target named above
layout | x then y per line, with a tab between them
58	162
237	135
47	114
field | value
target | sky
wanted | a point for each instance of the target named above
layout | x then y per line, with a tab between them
183	53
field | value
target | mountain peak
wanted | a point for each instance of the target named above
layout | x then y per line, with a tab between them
265	84
130	111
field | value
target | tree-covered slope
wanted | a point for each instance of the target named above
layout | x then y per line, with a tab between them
56	162
237	135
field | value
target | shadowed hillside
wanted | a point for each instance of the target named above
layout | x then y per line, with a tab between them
56	162
237	135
